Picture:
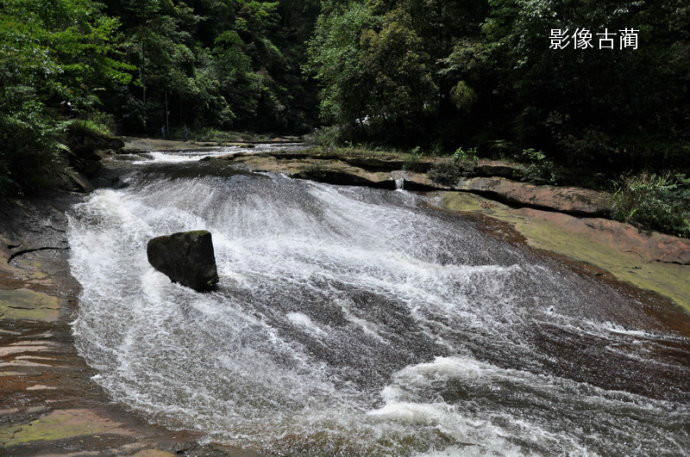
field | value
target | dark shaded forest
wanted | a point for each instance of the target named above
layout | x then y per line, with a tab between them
482	74
435	76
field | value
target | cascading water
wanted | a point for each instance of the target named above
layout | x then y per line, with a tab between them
358	322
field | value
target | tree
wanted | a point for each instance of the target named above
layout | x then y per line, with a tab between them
56	57
480	72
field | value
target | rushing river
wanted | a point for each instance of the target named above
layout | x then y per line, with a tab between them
360	322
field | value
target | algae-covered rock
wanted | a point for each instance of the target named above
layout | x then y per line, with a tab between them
186	258
650	261
28	304
60	425
154	453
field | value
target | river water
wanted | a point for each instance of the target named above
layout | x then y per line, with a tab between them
361	322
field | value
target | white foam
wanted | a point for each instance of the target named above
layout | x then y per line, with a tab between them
619	329
168	157
413	413
464	367
305	322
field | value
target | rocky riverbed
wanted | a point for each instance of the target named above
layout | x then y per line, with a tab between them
50	404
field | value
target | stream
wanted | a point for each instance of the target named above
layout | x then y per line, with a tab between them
359	322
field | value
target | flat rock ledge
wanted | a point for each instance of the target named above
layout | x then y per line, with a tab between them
381	173
572	200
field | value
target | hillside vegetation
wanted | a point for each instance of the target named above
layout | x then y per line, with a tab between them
432	77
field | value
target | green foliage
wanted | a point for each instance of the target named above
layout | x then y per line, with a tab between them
373	68
327	137
202	65
463	97
413	159
390	72
89	126
31	141
396	70
214	64
465	155
336	60
539	167
655	201
588	108
448	172
56	56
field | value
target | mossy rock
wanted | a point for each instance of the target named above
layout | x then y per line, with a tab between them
29	305
59	425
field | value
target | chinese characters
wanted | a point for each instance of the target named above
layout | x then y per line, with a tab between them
582	38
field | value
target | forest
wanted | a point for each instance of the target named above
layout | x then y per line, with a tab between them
430	76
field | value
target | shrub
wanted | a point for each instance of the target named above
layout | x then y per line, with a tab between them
465	155
412	159
463	97
447	173
539	168
33	147
655	201
327	137
89	127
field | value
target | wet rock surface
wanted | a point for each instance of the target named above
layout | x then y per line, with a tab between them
49	404
574	213
577	213
186	258
294	304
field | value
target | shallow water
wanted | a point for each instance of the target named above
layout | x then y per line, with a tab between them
358	322
192	156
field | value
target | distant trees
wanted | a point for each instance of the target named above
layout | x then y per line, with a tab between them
481	73
211	63
441	73
619	108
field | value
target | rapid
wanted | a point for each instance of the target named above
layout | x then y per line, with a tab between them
361	322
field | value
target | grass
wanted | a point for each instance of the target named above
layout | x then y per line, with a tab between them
219	136
89	126
654	202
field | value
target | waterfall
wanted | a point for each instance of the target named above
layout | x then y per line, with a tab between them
400	184
358	322
399	177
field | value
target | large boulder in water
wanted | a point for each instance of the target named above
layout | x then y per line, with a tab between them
186	258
